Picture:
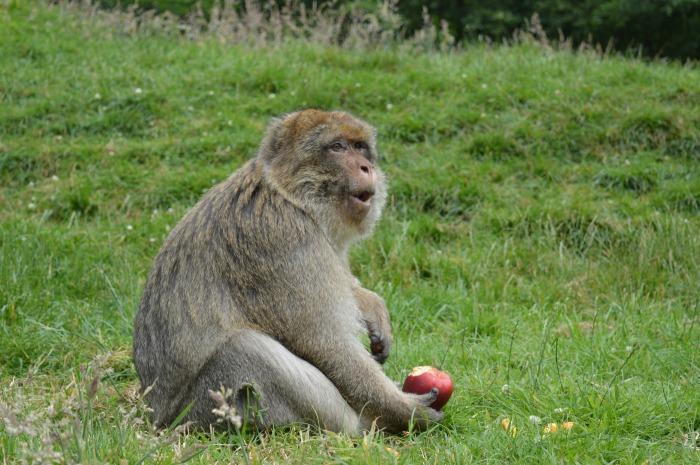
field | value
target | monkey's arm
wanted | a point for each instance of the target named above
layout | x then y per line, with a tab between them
365	387
375	316
326	337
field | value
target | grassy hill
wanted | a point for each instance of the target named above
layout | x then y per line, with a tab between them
540	242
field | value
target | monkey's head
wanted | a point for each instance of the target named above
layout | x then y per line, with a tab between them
326	163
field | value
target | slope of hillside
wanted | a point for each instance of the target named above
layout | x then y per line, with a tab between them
540	242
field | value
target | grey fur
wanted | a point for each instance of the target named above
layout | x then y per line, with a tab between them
253	288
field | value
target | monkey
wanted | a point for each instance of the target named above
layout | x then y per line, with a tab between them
252	290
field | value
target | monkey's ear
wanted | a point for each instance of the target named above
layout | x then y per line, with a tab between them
272	142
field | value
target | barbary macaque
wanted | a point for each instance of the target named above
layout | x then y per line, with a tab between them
252	291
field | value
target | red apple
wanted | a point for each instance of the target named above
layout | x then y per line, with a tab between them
422	379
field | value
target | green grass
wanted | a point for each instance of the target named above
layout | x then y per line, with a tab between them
542	232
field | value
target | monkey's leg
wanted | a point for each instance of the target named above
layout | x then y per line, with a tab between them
287	388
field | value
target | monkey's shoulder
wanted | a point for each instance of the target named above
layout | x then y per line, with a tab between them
249	214
254	205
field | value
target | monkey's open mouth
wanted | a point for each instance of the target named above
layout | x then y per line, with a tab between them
363	196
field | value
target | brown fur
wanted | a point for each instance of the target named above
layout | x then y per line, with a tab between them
252	290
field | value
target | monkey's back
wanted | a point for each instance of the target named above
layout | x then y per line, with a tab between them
213	276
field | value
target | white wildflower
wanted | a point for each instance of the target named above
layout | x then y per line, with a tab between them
692	440
226	412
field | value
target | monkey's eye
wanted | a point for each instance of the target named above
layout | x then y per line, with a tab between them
337	146
359	145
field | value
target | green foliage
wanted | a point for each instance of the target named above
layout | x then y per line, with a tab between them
664	28
178	7
540	241
656	28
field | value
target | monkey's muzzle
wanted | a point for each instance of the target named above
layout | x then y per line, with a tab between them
360	202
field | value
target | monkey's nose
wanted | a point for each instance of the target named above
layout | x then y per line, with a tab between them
366	170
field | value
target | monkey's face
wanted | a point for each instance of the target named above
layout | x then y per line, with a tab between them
358	178
347	174
327	161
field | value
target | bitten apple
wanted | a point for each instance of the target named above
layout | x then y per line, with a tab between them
422	379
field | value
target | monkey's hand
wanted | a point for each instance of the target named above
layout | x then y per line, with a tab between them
423	414
375	315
